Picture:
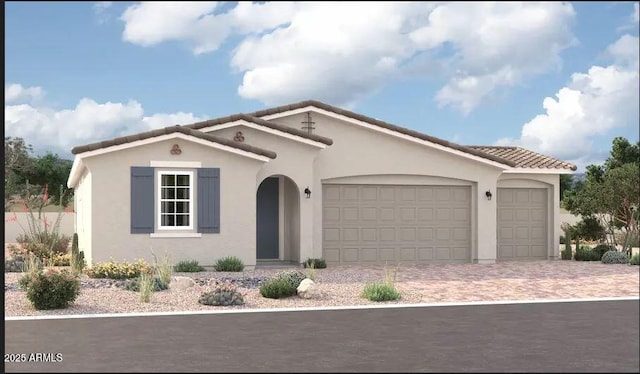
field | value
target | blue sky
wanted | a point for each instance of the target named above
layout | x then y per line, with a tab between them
557	78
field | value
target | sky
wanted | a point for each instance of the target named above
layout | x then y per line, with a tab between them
557	78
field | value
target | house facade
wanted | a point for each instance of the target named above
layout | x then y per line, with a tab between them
311	180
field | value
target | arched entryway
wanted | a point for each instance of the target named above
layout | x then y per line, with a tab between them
278	220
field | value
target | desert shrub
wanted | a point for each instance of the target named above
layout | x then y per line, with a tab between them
60	259
277	288
223	294
114	270
380	291
601	249
635	259
589	228
52	289
229	263
32	266
191	266
44	244
293	277
615	257
585	253
14	264
146	287
156	282
163	269
318	263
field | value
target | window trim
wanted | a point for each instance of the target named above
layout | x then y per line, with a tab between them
160	173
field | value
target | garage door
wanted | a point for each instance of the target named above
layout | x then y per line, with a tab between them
522	223
386	223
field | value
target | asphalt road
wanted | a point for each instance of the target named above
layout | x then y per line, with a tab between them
597	336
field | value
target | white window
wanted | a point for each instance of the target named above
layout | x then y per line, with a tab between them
175	200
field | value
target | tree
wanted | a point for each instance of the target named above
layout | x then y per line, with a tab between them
566	184
611	192
17	161
51	171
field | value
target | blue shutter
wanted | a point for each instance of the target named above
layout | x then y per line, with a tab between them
142	200
209	200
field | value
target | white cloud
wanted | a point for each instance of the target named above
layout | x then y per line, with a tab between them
340	52
14	92
60	130
593	103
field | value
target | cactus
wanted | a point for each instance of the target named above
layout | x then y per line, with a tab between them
77	257
567	253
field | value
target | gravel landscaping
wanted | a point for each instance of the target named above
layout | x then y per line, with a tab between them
342	286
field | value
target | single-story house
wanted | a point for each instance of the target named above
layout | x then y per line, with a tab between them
311	180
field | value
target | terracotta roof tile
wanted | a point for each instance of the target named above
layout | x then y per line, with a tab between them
171	130
524	158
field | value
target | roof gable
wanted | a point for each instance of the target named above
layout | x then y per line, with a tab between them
382	124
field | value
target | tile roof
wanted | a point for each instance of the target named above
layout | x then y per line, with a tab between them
524	158
260	121
171	130
376	122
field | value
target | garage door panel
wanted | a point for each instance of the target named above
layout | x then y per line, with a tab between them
388	223
331	193
522	223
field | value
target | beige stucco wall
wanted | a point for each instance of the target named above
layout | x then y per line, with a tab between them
83	219
110	217
358	151
551	182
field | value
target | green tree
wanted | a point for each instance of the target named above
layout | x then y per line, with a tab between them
566	184
611	192
52	171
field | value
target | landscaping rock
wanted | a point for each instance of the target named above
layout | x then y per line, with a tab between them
181	283
308	289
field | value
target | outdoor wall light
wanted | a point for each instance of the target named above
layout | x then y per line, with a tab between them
307	192
488	195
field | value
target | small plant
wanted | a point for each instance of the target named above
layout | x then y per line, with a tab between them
293	277
191	266
146	287
224	294
311	271
317	263
277	288
114	270
52	289
229	263
601	249
32	267
164	268
380	291
60	259
77	257
567	254
135	284
635	259
14	264
615	257
585	253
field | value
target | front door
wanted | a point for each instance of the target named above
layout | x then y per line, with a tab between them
267	219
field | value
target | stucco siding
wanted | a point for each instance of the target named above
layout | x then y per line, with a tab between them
551	182
359	152
110	190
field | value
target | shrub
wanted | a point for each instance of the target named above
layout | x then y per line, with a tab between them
318	263
146	287
44	244
156	283
589	228
601	249
114	270
635	259
277	288
293	277
60	259
15	264
584	253
380	291
188	267
311	272
567	254
164	268
229	263
52	290
615	257
223	294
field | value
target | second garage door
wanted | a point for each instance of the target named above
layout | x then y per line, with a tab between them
522	224
396	223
